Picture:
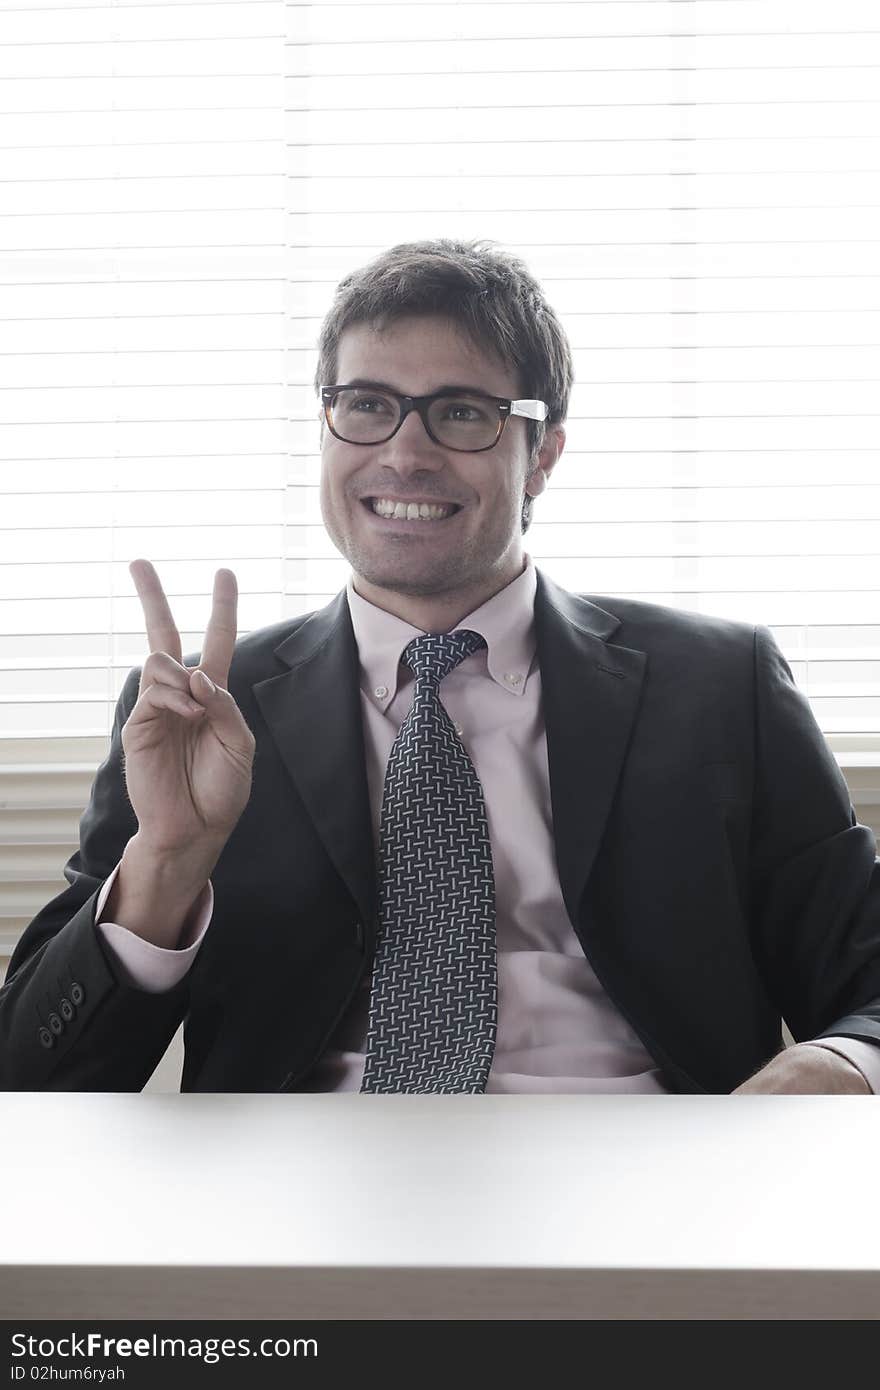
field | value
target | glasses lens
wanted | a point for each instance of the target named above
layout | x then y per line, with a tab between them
364	417
465	422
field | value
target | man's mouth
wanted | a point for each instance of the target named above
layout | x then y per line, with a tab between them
410	511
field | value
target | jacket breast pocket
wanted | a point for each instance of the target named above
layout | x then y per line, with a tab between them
728	781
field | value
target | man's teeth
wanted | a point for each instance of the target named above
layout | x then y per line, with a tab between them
409	511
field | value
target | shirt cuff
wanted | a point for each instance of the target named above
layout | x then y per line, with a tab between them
148	967
864	1056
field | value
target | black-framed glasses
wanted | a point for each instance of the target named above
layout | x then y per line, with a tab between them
466	421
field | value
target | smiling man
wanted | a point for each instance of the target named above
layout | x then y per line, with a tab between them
460	830
468	543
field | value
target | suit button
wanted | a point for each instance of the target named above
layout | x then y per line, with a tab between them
55	1024
66	1010
46	1038
77	993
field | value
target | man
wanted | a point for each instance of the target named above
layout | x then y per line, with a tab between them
461	829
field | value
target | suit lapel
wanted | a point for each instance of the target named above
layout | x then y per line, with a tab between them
313	713
591	693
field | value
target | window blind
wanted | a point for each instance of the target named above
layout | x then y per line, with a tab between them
694	181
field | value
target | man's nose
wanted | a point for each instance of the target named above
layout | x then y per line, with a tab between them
411	449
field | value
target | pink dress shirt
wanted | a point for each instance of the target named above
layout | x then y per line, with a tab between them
557	1029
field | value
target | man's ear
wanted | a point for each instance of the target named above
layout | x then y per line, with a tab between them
551	449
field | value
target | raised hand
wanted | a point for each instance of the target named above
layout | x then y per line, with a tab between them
188	751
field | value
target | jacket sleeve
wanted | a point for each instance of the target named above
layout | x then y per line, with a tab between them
69	1021
816	877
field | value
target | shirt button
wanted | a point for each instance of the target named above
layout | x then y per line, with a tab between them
513	677
459	730
380	692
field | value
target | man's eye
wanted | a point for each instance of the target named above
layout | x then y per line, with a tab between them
463	412
369	405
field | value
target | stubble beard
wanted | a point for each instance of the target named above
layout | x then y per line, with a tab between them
445	575
466	569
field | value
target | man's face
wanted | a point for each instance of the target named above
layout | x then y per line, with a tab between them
476	548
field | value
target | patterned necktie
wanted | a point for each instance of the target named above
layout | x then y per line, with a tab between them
433	1001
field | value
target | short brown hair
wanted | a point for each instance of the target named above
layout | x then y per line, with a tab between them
488	293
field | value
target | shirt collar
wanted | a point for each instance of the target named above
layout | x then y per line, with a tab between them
506	621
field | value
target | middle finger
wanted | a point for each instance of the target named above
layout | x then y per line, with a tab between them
162	633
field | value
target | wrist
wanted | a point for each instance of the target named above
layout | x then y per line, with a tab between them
846	1068
155	891
190	860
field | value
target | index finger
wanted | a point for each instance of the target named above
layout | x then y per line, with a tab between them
162	633
222	629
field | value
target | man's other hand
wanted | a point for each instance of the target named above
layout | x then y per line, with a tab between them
806	1070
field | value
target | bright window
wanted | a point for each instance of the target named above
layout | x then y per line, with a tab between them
696	184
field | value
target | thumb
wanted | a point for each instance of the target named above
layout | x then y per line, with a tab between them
203	685
223	714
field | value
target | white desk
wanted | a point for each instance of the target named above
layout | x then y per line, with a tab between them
349	1206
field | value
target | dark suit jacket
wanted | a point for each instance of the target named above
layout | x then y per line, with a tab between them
709	858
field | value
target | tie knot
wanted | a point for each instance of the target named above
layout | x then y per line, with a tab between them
433	656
